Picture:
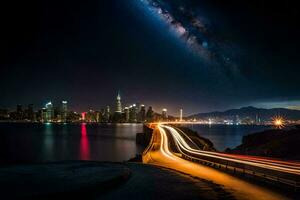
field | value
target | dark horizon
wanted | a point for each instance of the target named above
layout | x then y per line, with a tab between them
85	52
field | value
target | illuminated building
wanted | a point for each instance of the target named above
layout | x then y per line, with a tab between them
118	104
137	107
150	114
118	117
83	116
102	115
164	114
132	113
257	119
142	114
74	116
64	111
90	116
49	112
98	116
237	120
126	111
107	114
181	112
30	113
44	115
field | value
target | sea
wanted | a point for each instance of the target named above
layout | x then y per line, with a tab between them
27	142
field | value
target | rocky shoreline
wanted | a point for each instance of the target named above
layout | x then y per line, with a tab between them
278	143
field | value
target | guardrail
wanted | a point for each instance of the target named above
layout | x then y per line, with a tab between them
242	171
268	175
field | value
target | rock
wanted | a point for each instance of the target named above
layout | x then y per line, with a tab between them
271	143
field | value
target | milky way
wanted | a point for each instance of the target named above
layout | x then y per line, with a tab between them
196	32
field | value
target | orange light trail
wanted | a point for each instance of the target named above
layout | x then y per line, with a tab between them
271	164
158	153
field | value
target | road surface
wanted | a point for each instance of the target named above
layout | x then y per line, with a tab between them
289	167
159	153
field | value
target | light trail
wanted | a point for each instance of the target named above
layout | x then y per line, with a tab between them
270	164
164	145
158	153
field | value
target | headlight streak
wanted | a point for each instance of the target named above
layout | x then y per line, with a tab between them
164	148
160	155
288	167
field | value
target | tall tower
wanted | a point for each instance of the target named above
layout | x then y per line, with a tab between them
150	114
181	111
64	111
142	114
164	114
30	113
49	111
127	116
107	114
118	105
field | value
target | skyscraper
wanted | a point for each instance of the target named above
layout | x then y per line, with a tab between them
64	111
142	114
181	113
164	114
49	112
118	103
126	111
107	114
150	114
44	115
30	113
133	113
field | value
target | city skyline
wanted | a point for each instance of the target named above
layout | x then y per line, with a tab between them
174	112
138	113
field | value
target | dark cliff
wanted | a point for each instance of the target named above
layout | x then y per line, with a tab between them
284	144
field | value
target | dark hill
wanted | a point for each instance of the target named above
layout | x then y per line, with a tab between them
263	114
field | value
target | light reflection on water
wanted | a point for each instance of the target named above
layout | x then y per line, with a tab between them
53	142
48	141
84	144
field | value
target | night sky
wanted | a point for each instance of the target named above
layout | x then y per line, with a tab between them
197	55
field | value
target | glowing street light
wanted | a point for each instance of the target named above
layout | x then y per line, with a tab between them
278	122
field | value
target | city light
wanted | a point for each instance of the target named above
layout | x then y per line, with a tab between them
278	121
83	115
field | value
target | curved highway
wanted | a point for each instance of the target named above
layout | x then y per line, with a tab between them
263	163
159	153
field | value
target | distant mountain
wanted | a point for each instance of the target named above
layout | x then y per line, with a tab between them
252	112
